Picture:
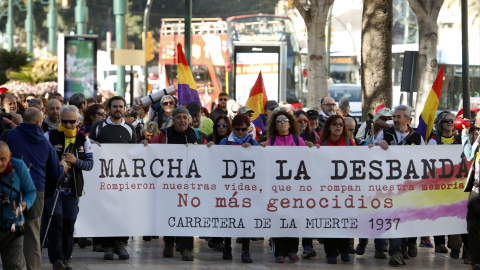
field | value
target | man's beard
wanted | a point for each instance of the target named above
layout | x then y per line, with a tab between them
330	113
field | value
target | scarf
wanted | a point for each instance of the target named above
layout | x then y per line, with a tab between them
8	170
51	126
69	133
240	140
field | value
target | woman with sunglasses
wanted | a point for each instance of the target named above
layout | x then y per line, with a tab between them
335	134
164	117
283	130
239	136
445	134
306	131
93	114
221	129
445	130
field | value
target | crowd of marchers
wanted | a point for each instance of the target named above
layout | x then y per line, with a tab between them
45	146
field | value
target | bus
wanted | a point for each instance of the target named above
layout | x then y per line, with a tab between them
271	28
451	96
212	44
209	55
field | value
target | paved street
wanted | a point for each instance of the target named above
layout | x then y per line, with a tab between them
148	255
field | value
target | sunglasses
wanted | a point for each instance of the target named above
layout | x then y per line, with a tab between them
221	125
69	121
101	114
279	120
447	121
385	118
337	124
242	129
303	120
223	99
168	103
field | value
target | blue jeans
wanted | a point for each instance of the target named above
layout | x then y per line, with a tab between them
60	232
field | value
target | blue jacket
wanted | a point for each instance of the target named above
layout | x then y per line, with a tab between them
28	141
22	182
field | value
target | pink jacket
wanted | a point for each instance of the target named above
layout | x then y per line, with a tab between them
286	141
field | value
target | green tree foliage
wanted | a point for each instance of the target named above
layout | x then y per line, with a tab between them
101	17
11	61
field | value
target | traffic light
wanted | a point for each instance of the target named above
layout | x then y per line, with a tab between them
148	46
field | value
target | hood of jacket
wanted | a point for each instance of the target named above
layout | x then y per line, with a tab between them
32	132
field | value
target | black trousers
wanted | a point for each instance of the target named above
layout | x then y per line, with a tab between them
181	242
473	227
110	241
334	246
284	245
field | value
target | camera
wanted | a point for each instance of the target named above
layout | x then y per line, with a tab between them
5	114
4	200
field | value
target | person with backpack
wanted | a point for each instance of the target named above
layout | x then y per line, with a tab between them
283	130
445	134
113	130
179	133
62	199
163	116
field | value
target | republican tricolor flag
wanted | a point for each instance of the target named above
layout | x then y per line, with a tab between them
427	118
187	90
256	101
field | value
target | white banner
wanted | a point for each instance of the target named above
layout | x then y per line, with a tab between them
193	190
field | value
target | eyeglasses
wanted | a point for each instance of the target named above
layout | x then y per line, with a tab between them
223	99
329	104
221	125
303	120
447	121
69	121
242	129
279	120
337	124
101	113
166	103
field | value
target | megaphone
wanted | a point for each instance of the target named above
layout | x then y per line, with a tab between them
460	122
152	98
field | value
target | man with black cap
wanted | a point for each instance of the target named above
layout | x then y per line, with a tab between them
179	133
313	120
344	111
199	122
268	109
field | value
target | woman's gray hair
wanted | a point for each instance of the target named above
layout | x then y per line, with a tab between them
69	108
165	97
406	110
440	117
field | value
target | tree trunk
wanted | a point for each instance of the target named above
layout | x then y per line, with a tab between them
376	70
427	66
315	17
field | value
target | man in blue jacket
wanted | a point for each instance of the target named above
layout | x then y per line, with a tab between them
14	179
27	142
